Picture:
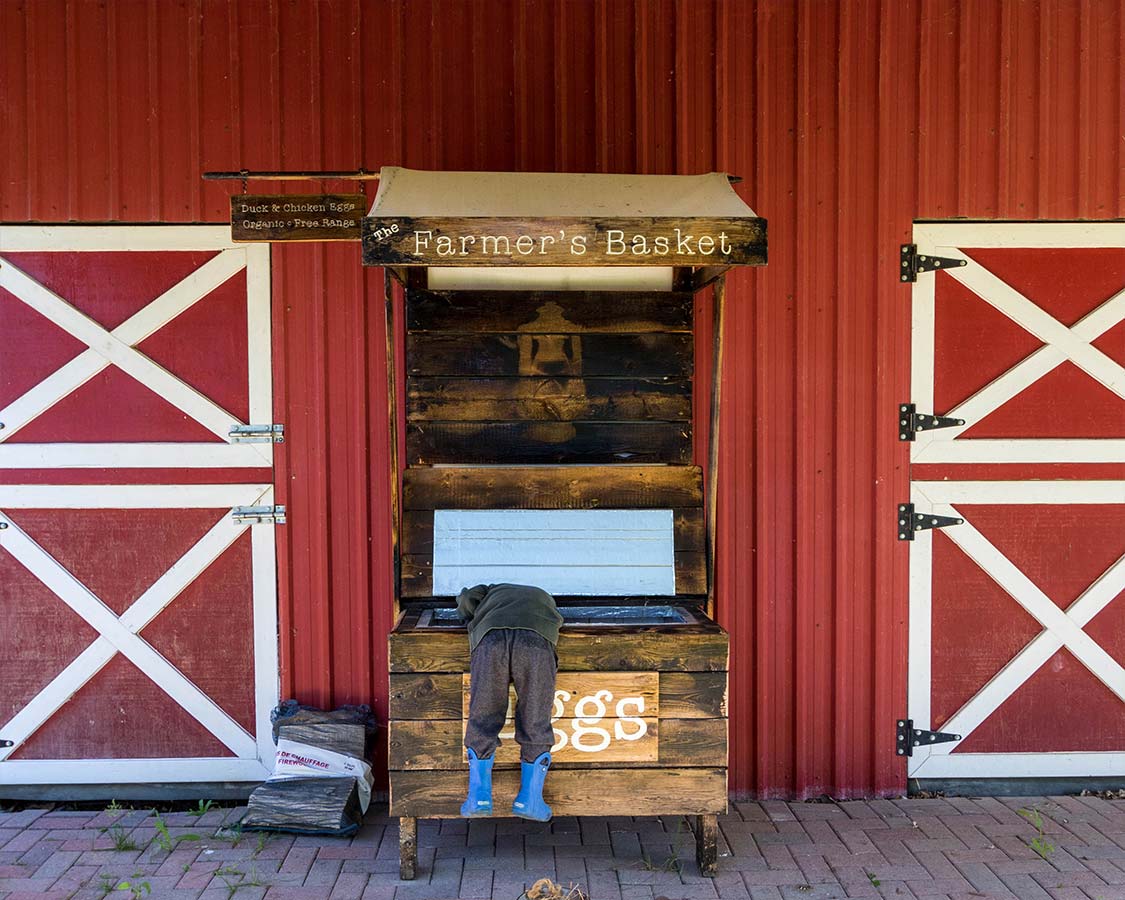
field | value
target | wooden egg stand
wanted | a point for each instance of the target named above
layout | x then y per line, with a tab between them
524	396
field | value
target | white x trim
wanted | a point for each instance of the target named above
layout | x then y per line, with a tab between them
120	635
118	347
1060	344
1061	629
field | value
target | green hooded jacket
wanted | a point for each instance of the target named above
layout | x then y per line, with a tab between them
489	606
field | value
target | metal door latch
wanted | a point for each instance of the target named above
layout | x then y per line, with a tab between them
259	515
4	743
911	421
257	434
907	737
910	521
914	262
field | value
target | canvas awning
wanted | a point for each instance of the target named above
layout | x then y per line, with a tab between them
462	219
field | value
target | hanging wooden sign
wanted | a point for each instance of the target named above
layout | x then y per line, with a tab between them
296	217
569	241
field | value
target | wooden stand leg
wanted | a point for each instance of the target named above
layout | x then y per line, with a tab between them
707	845
408	848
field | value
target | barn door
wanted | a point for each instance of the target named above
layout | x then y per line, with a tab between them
1017	615
137	592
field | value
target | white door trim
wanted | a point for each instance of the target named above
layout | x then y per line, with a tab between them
1020	492
1019	765
129	496
134	771
1019	235
101	238
134	456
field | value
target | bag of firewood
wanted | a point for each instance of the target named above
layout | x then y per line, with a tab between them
321	782
290	712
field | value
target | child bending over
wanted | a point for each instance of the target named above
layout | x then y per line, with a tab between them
513	631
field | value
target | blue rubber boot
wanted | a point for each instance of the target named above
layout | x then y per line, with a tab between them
529	801
479	801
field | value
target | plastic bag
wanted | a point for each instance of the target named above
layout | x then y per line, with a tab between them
321	782
297	760
290	712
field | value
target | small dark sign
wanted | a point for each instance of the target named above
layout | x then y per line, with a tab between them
296	217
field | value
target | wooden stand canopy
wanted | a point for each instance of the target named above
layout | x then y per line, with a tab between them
549	350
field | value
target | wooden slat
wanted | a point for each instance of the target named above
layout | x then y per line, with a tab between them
705	275
548	399
717	305
523	443
642	750
683	695
561	355
585	487
604	792
417	536
418	531
420	744
693	742
583	311
643	686
392	431
690	530
440	745
686	648
418	574
691	572
420	696
692	695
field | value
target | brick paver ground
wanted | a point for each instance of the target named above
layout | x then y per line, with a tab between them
1032	848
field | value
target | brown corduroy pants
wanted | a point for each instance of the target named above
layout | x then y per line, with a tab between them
526	659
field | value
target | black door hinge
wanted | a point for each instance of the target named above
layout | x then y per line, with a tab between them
4	743
914	262
911	421
907	737
910	521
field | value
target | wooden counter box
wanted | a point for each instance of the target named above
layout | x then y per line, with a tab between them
646	708
642	730
640	714
549	442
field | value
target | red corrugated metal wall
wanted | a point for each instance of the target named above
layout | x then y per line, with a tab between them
846	120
